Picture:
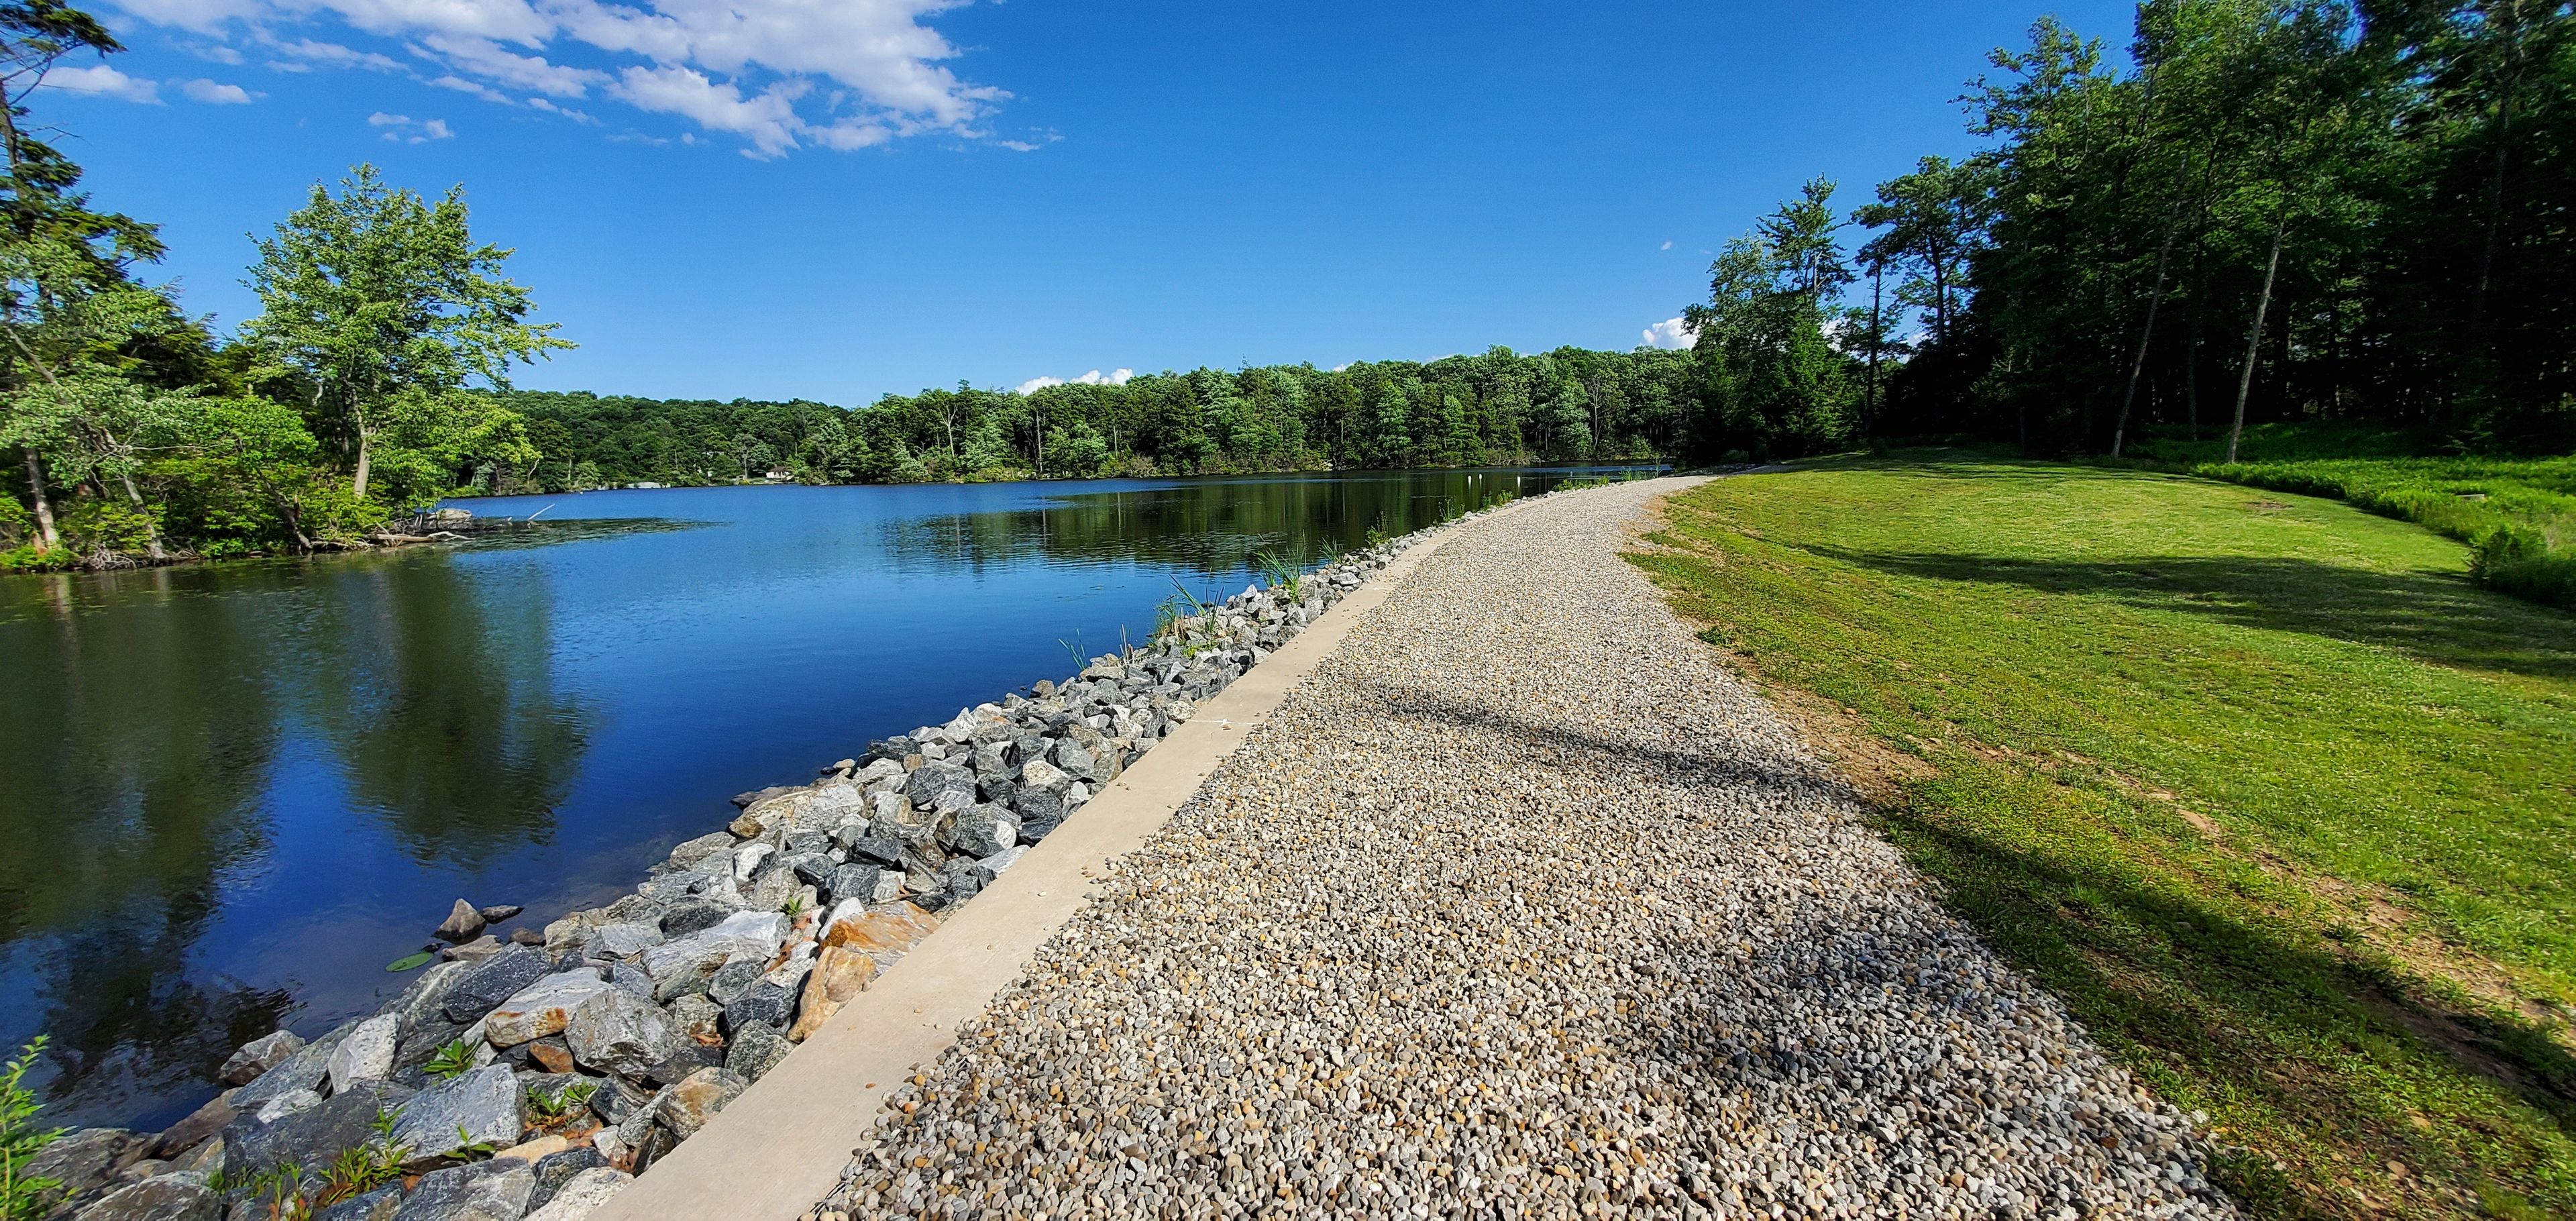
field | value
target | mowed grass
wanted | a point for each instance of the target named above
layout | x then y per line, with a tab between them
2261	784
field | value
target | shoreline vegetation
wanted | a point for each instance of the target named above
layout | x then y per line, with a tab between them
2276	802
559	1059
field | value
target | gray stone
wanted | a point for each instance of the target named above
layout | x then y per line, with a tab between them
556	1169
378	1205
734	977
424	1042
310	1137
980	831
421	999
494	1190
617	1031
763	1003
366	1055
618	1098
87	1159
498	912
480	1107
756	1048
682	965
258	1056
694	914
494	980
622	940
698	1018
632	978
171	1197
1038	805
687	1106
204	1122
688	1059
854	882
1044	776
934	785
583	1194
289	1103
688	853
303	1070
1073	760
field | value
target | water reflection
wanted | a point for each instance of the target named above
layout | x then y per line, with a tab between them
149	716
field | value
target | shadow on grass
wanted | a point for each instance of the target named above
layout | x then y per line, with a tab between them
2320	1043
2432	616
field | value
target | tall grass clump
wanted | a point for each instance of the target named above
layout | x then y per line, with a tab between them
22	1195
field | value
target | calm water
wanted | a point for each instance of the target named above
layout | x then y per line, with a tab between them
234	792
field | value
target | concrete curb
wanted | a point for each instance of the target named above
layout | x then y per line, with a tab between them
780	1147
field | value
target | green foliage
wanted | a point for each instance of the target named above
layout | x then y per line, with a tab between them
1281	574
2258	783
453	1060
22	1195
410	961
551	1109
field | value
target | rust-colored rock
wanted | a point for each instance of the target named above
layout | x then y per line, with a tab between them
891	929
839	973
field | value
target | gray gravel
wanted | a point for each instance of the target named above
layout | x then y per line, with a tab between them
1523	905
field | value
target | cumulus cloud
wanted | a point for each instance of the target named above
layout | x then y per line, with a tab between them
101	80
1665	246
779	74
1671	333
216	93
1093	378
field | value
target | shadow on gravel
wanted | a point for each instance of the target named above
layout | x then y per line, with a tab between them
2437	617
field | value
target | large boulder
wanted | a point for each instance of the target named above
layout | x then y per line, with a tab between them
169	1197
86	1160
940	786
688	1105
310	1137
258	1056
622	940
421	1000
188	1133
378	1205
556	1170
303	1070
892	929
478	1107
583	1194
757	1048
493	981
495	1190
839	973
683	965
367	1054
541	1008
619	1032
980	831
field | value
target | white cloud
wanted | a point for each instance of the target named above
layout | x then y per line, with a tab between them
1671	333
1665	246
333	55
768	120
1093	378
101	80
402	129
216	93
780	74
476	88
490	60
216	52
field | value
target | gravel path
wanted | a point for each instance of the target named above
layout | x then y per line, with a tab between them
1523	905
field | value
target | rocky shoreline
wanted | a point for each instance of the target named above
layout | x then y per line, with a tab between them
533	1078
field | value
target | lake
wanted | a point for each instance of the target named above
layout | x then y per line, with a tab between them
236	791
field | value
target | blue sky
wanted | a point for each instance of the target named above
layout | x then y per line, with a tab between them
836	199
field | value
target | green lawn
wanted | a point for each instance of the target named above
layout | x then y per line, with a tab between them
2280	802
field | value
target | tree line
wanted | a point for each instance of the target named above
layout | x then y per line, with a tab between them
2276	210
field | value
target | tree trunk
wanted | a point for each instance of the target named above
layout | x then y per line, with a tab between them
1869	400
2254	336
2191	381
358	486
46	539
2155	301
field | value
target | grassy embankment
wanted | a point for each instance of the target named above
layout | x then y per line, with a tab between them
2277	799
2518	515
